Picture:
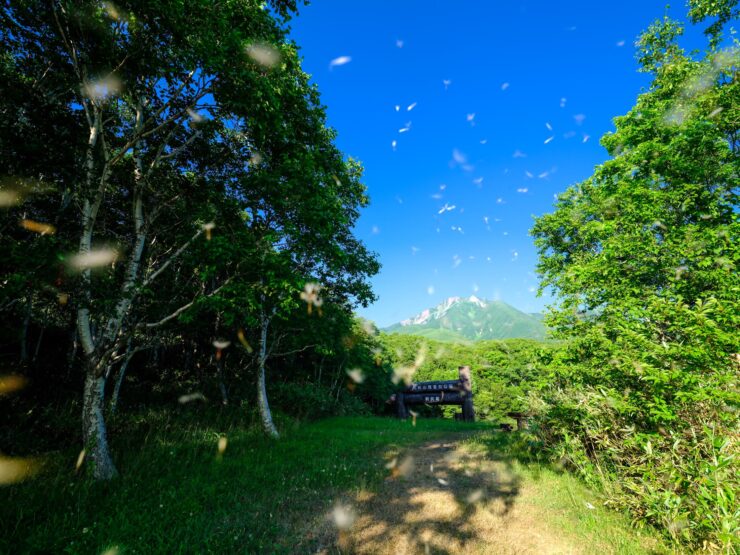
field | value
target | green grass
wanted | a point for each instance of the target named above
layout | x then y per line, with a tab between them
176	494
575	510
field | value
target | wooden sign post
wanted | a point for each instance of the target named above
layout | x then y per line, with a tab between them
443	392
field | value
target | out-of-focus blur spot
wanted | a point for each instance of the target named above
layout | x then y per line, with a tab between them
190	397
14	470
404	469
340	61
310	294
474	496
343	516
92	259
413	417
220	345
265	55
9	384
113	11
38	227
243	340
222	444
208	228
80	459
104	88
9	198
356	375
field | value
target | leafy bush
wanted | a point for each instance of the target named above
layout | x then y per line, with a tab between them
308	401
643	259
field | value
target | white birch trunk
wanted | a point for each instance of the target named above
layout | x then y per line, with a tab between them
264	406
94	432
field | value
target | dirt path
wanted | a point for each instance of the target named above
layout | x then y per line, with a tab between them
444	497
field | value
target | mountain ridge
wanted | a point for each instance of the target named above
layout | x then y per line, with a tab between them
469	319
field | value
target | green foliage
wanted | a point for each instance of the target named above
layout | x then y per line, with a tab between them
504	372
643	257
258	495
308	401
466	320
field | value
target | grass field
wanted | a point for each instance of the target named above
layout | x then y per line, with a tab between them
178	494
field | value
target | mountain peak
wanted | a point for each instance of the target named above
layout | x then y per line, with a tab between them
464	318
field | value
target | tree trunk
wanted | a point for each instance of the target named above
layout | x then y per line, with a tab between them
222	383
72	352
24	331
119	379
267	424
38	345
94	433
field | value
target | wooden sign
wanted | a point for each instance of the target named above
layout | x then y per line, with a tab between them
442	392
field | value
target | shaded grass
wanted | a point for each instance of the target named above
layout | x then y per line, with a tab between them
177	494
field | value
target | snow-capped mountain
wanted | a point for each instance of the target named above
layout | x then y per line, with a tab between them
470	318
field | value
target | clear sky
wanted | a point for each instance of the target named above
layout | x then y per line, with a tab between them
485	106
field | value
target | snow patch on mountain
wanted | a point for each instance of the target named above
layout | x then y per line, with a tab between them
441	309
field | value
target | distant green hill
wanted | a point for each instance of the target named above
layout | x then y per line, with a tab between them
460	319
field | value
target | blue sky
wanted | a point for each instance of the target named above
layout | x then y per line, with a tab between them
531	87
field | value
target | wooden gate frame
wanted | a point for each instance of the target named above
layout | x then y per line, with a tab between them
442	392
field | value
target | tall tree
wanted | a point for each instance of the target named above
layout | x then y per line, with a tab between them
643	259
175	122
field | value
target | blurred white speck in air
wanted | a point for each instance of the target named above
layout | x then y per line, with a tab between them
474	496
411	106
265	55
459	157
195	116
340	61
356	375
190	397
343	516
446	83
715	112
504	86
430	290
103	88
93	259
9	198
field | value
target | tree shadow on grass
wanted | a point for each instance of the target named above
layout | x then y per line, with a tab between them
442	497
